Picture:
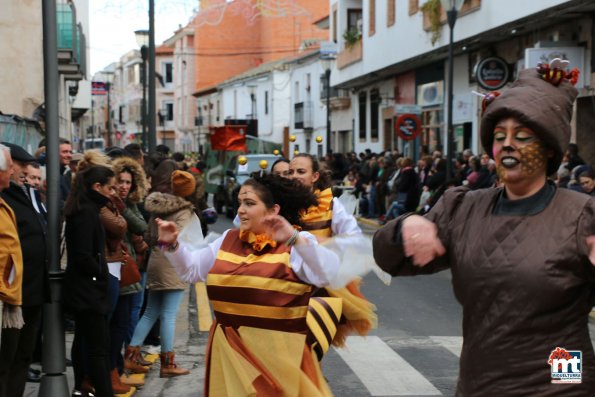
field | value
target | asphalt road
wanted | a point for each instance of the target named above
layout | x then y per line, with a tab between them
413	352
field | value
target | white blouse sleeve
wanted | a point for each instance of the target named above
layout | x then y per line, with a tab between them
343	223
314	263
194	265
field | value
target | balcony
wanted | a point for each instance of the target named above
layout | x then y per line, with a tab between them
71	43
350	55
303	115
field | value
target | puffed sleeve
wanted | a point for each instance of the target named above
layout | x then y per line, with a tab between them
342	222
388	246
313	263
194	265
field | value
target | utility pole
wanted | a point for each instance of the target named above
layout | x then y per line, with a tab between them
53	382
152	90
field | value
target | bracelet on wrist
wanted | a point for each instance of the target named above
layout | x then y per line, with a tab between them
170	247
293	239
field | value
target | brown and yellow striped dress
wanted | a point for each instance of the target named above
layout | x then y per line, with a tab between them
257	346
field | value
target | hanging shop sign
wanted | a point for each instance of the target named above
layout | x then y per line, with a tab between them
492	73
408	126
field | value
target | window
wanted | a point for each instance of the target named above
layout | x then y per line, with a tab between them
266	102
372	15
362	97
335	23
413	6
391	12
168	109
354	19
168	72
308	82
374	113
296	94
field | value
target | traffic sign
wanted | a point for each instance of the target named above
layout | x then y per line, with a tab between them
408	126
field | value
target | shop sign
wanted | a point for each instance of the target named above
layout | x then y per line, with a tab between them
492	73
408	126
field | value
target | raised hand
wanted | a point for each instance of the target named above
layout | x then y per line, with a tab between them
168	233
278	228
420	240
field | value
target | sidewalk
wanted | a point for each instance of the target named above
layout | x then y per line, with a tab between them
190	345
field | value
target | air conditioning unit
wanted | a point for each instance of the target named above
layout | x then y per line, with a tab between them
430	94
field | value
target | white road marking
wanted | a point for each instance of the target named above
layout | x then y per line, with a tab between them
453	344
382	370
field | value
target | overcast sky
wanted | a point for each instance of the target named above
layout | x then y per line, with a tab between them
113	22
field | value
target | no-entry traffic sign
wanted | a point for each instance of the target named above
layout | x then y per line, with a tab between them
408	126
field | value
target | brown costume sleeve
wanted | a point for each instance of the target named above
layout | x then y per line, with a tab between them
388	246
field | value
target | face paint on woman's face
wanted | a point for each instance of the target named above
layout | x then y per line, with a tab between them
518	152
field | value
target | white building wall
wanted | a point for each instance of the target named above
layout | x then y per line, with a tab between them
407	39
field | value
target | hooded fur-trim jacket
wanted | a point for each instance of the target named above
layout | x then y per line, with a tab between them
160	273
138	177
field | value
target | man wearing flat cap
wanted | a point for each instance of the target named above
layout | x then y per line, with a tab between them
18	344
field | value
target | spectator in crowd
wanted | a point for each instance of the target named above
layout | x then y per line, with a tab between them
86	283
136	152
574	159
11	265
31	226
281	167
34	175
65	153
587	181
165	287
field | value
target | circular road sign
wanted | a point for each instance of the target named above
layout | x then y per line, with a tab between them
408	126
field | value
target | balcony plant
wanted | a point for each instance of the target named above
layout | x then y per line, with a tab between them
432	9
351	36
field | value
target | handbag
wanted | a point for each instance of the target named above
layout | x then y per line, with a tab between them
129	273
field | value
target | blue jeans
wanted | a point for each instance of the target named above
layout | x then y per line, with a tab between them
137	304
162	304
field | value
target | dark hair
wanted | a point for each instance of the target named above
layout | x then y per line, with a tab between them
291	196
162	149
177	156
116	152
280	160
589	173
43	142
136	152
34	164
324	181
128	170
83	184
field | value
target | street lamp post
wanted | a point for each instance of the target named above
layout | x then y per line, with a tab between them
151	113
452	8
108	87
326	65
142	39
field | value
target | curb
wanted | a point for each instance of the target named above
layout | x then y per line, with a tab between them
373	223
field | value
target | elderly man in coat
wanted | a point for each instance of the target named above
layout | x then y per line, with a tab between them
31	227
11	260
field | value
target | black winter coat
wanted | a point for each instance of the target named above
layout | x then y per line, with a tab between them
86	279
32	234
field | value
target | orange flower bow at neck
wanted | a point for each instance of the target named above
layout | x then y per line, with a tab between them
258	241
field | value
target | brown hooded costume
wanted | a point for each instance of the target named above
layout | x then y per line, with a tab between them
520	268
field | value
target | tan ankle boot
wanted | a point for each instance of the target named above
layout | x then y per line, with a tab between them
169	368
133	360
117	386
